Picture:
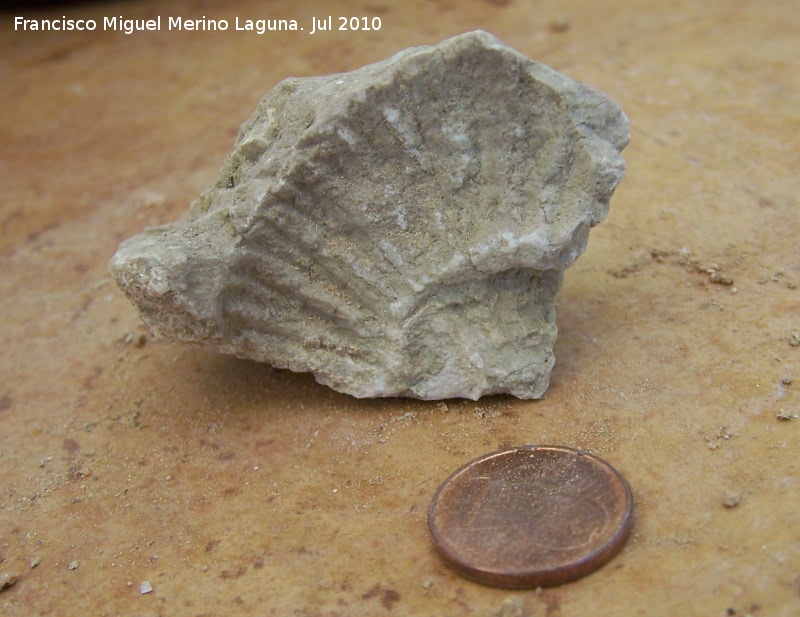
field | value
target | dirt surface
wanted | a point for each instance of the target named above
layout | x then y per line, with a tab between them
146	478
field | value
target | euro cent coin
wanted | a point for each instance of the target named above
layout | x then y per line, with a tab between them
531	516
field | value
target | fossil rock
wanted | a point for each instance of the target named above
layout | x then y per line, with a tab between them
400	230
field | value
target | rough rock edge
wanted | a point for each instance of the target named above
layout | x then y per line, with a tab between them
172	272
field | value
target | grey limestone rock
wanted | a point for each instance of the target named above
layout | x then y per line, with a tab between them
400	230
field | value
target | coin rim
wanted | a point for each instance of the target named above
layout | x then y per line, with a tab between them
530	578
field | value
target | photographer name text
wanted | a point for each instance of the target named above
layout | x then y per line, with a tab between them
257	26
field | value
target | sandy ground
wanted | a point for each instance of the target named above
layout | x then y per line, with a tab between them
236	489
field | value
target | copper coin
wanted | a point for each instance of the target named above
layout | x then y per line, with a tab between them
531	516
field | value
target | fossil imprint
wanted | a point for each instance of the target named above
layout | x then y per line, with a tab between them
400	230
